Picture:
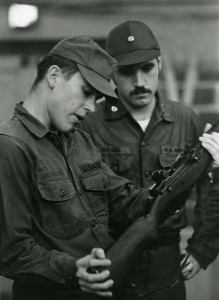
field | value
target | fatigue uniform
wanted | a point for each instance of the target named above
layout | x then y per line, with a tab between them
56	201
135	154
204	243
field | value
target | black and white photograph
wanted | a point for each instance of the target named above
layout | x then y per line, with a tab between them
109	150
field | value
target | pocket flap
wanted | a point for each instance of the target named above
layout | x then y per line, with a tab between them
169	155
95	182
55	188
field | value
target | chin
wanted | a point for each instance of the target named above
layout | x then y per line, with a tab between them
141	103
66	128
142	98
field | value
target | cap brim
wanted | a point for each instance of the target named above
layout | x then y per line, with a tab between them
136	57
98	82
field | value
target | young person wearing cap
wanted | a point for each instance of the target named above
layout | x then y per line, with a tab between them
57	197
140	133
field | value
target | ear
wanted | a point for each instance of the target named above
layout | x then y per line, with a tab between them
53	74
159	61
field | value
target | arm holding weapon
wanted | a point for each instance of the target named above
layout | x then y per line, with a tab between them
169	184
191	266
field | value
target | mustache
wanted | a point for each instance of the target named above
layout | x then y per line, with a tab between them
140	90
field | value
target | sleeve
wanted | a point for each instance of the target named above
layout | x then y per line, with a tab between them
126	203
204	243
20	254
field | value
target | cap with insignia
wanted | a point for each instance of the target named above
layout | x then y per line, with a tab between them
132	42
94	64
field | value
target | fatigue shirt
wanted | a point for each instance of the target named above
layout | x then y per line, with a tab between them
135	154
204	243
57	199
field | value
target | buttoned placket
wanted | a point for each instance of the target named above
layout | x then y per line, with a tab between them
83	198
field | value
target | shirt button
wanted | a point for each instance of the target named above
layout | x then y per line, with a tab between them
147	173
114	168
93	223
62	193
143	143
79	192
133	285
104	184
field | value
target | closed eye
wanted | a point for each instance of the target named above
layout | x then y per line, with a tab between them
87	92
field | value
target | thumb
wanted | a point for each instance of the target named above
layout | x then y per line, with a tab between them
98	253
183	252
207	127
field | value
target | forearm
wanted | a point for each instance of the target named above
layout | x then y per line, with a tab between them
204	244
126	203
28	261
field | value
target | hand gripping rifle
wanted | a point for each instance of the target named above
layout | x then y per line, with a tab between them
170	183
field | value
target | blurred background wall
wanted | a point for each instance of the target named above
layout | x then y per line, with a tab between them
188	33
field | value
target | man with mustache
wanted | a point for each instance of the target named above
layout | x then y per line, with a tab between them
140	133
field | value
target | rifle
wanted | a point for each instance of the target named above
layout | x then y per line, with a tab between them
169	184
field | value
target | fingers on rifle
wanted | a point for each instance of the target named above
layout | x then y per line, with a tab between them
207	127
88	279
94	262
101	289
100	293
96	286
98	253
211	143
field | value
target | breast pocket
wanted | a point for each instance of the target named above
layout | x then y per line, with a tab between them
121	161
168	155
96	185
61	212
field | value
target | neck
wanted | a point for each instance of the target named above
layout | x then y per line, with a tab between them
34	104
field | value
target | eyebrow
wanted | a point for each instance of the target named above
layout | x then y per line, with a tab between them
148	64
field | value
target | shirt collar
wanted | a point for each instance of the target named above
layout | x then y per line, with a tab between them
29	121
115	109
164	110
34	125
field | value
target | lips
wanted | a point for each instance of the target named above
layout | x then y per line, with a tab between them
140	93
79	117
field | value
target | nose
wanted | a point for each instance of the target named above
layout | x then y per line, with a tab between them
138	78
90	105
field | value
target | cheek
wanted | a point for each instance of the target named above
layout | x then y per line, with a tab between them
152	80
124	85
75	99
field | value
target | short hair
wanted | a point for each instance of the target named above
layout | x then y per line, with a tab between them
67	67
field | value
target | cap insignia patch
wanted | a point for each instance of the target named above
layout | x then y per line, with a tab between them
114	108
131	38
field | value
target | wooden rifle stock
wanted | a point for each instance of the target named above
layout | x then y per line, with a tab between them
169	184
